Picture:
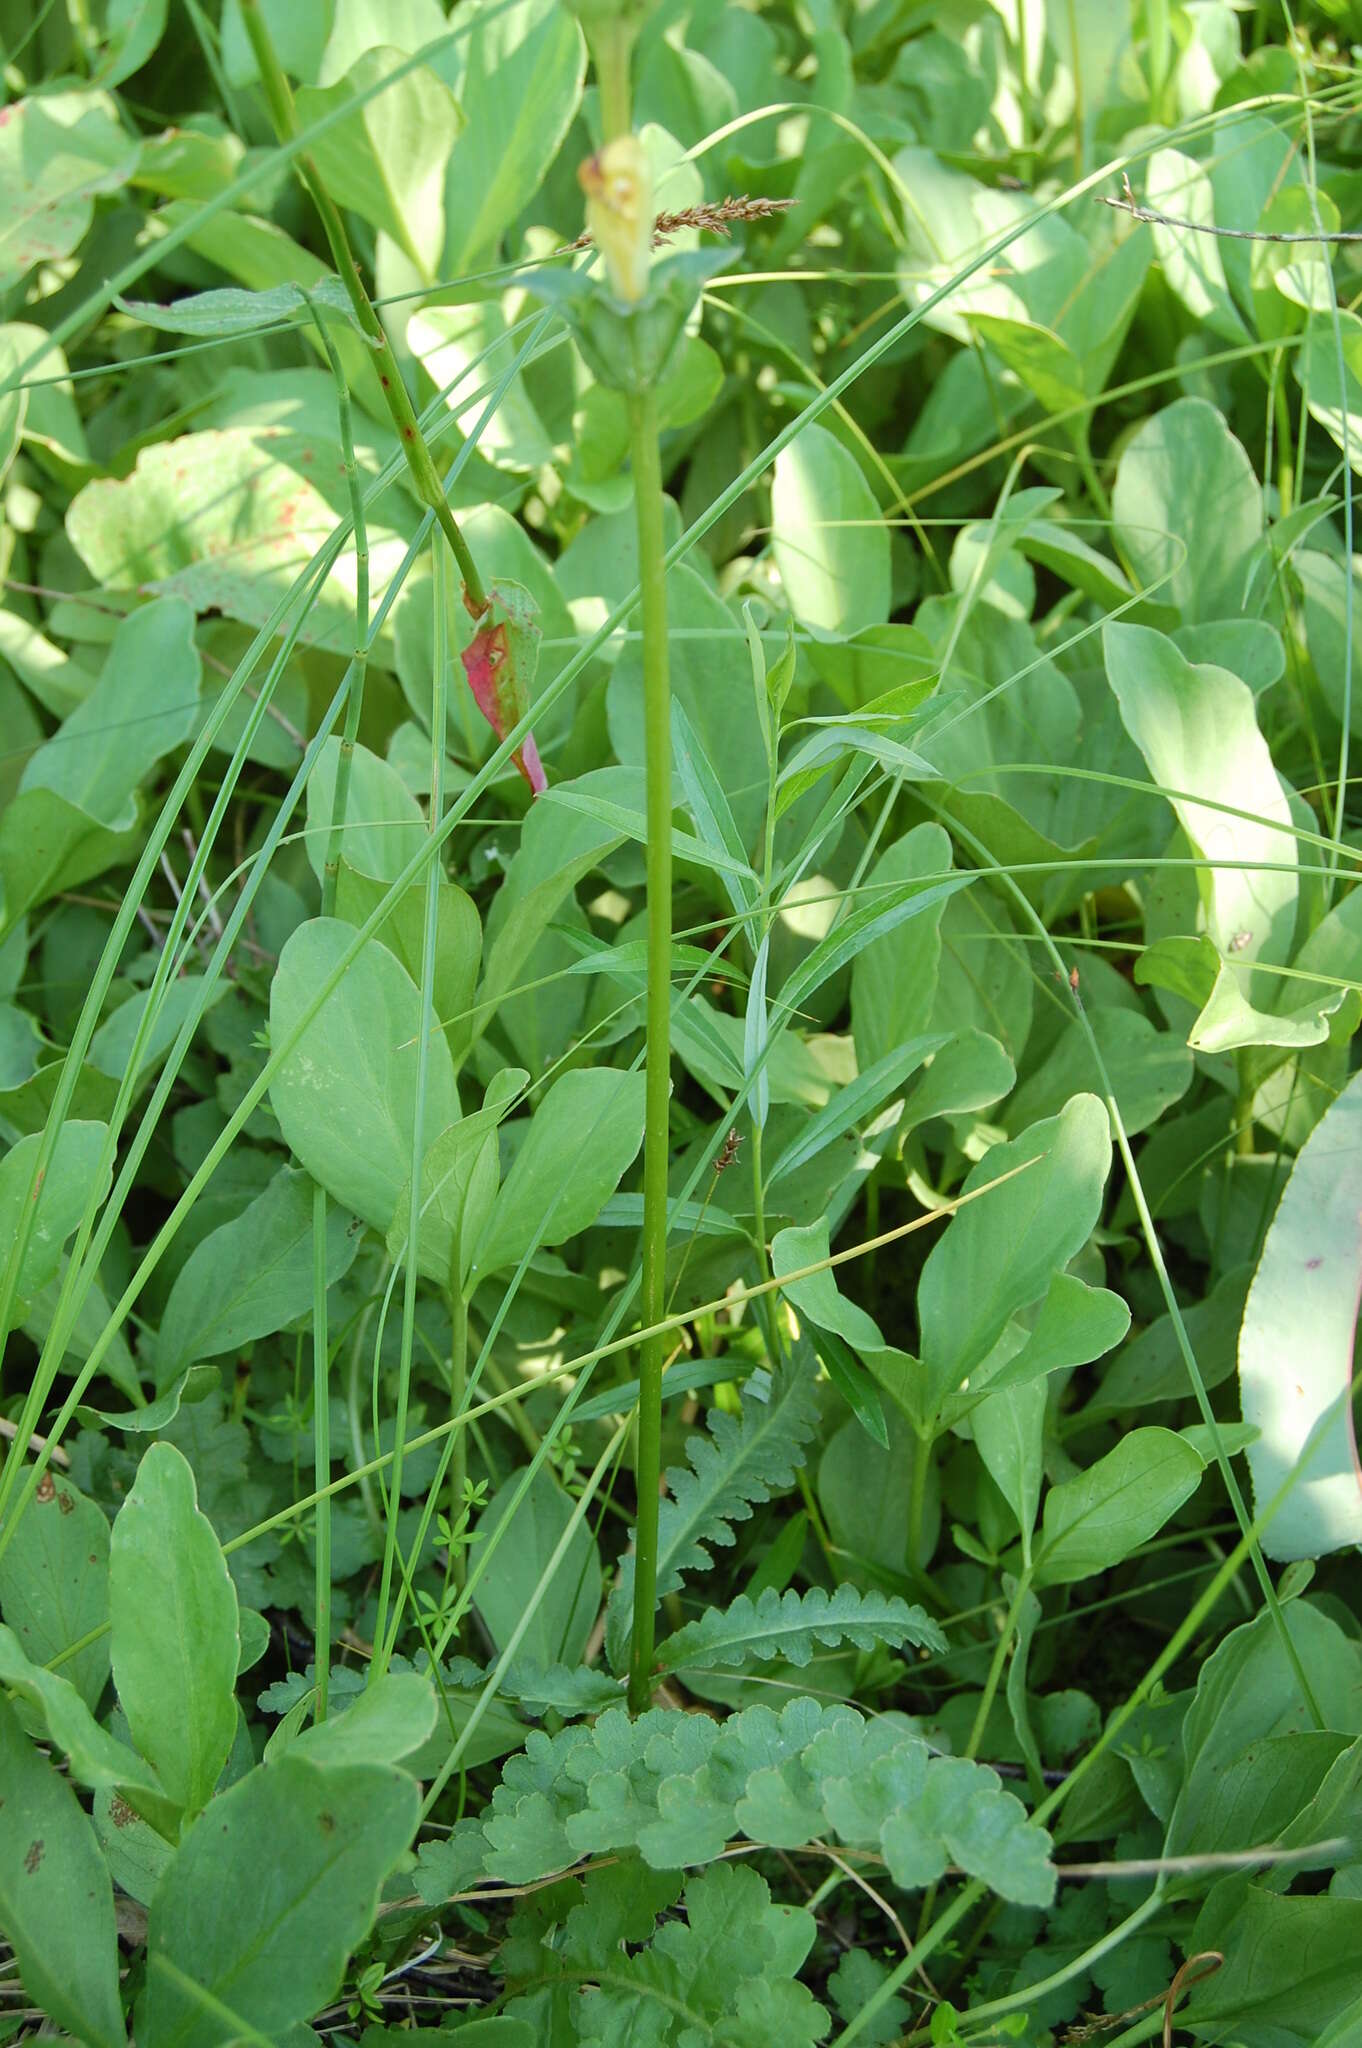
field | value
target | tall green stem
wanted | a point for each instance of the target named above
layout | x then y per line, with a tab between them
383	1643
321	1342
658	769
321	1454
458	1395
279	98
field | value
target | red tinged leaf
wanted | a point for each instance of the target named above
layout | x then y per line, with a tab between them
500	661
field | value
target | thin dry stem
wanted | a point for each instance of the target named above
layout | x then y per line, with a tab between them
1127	203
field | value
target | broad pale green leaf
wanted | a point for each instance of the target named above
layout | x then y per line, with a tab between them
252	1276
54	1582
818	1297
1330	398
1074	1325
867	1494
44	414
345	1096
299	37
143	706
1298	1394
517	77
358	24
1009	1428
392	1717
266	1899
387	163
1248	1691
56	1901
94	1756
1197	730
458	943
893	982
1094	1521
232	311
582	1137
1189	510
111	1047
175	1641
1290	1969
1191	261
985	978
459	1177
1149	1069
1000	1253
384	824
76	807
1335	655
195	1383
132	30
465	349
229	519
58	152
830	544
563	1619
73	1174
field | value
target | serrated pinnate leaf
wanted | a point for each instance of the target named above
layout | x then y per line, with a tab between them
738	1464
792	1625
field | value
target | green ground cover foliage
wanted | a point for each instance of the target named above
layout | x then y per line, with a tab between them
680	1145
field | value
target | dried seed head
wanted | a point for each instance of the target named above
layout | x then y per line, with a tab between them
728	1151
711	217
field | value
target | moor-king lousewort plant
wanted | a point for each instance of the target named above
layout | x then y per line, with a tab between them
679	975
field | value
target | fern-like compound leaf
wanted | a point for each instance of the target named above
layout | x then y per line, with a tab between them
793	1625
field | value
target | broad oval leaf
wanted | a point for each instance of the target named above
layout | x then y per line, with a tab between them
345	1095
999	1254
1295	1392
175	1638
54	1583
56	1901
1094	1521
72	1176
830	544
582	1137
267	1897
252	1276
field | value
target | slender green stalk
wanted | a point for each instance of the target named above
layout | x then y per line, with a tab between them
321	1349
658	770
995	1669
434	882
321	1450
458	1394
283	113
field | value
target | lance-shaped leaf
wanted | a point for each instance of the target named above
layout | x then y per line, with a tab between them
500	661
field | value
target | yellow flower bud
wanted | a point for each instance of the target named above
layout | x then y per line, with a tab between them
618	183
